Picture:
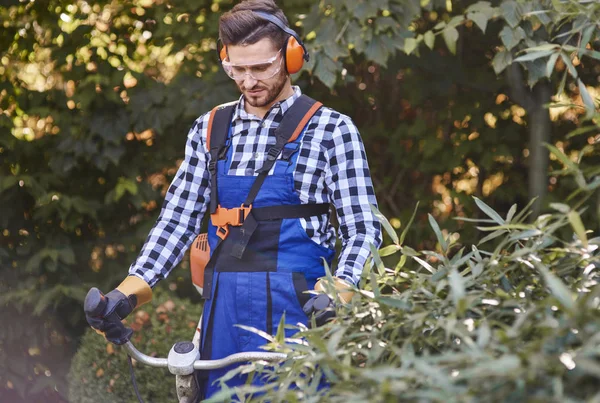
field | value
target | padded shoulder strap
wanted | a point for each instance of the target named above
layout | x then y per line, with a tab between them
222	115
217	130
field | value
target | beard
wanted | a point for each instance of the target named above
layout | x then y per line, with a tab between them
269	94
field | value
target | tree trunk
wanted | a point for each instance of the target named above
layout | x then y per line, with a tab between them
538	118
539	133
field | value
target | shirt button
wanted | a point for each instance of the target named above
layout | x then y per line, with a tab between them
256	155
264	124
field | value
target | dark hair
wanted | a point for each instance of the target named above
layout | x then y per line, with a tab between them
241	26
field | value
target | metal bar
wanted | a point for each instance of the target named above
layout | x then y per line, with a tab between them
206	364
239	357
145	359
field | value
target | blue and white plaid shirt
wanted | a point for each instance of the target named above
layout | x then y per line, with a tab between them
331	168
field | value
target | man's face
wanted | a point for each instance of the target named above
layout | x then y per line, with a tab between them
258	93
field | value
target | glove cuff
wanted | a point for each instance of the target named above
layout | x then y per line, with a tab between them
133	285
343	288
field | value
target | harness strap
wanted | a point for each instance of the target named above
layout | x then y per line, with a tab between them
291	126
217	131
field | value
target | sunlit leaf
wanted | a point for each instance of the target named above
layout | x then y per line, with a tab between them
429	39
588	102
578	227
489	211
450	35
501	60
557	287
438	233
386	225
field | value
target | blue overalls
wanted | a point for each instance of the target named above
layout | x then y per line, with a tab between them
279	263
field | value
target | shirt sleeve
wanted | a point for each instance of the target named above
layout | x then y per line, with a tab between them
350	188
181	213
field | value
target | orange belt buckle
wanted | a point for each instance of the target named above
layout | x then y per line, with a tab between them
223	218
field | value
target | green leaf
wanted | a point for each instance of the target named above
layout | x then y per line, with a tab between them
561	86
501	60
483	7
450	37
389	250
429	39
457	286
551	63
326	70
410	44
408	251
536	70
395	303
557	287
412	217
534	55
569	64
563	208
562	157
491	236
511	11
438	233
577	224
377	259
479	19
489	211
511	37
386	224
484	334
511	212
377	51
425	265
588	102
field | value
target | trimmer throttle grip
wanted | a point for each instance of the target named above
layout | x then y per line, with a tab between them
95	302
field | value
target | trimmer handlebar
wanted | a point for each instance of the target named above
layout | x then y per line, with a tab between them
158	362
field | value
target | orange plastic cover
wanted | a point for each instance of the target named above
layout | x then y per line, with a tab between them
199	256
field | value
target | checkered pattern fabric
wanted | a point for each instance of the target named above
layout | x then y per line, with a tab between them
331	168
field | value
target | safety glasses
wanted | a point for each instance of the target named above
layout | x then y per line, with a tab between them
262	70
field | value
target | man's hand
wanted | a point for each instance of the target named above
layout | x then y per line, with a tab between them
104	313
322	306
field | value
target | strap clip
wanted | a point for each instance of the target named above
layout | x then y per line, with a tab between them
212	167
223	218
273	153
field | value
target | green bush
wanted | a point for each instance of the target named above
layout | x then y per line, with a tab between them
100	372
512	319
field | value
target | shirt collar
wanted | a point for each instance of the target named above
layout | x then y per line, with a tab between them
278	107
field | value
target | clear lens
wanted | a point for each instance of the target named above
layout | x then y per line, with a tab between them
258	71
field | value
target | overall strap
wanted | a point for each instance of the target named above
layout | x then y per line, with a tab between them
216	136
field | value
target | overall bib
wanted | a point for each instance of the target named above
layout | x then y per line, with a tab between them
279	262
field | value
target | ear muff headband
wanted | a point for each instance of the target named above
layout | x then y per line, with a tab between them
294	51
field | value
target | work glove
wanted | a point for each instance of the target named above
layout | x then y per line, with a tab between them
322	306
104	313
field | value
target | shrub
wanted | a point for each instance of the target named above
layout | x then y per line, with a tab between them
516	322
100	372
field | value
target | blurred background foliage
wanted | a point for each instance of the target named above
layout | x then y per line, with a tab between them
453	99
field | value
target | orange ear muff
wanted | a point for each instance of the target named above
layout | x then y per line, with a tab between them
223	53
294	55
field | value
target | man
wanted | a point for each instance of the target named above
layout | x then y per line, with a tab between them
262	263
